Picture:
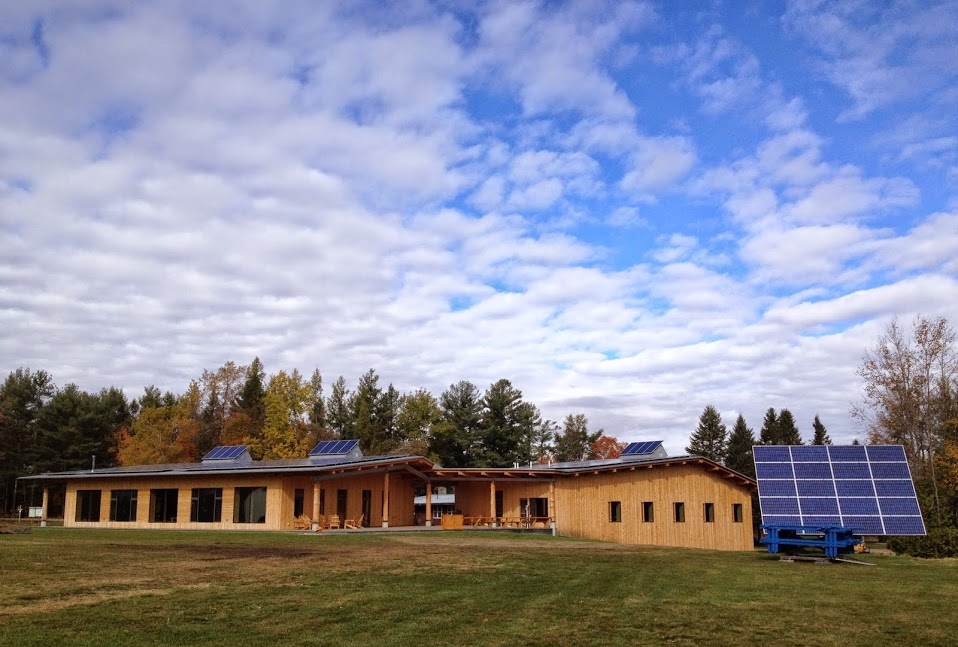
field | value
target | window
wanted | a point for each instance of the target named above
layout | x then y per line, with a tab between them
737	512
249	505
299	497
206	505
679	512
648	512
709	513
535	507
123	505
163	505
88	505
615	511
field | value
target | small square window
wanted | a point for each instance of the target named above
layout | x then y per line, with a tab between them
648	512
709	513
679	512
737	512
615	511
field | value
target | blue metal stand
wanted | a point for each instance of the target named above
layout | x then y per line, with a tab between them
834	540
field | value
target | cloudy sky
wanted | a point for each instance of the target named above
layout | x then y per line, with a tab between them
630	210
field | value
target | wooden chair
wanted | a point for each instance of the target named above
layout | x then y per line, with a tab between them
302	522
333	521
354	524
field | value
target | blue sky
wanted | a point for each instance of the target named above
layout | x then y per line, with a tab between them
630	210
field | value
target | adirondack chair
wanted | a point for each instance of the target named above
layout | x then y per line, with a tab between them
355	524
333	521
302	522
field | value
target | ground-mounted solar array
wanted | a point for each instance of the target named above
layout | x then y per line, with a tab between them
225	453
865	487
643	447
333	447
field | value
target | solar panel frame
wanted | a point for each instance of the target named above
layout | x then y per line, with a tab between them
225	452
865	487
333	447
641	447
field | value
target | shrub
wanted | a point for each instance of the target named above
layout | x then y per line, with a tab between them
939	542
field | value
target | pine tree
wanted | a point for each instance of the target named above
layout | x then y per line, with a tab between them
575	441
769	435
710	439
501	434
338	416
821	434
787	430
454	440
739	454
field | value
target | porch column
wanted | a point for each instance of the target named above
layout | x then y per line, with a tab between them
552	505
429	503
315	505
385	499
46	506
492	503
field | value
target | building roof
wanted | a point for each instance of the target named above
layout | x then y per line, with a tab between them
331	466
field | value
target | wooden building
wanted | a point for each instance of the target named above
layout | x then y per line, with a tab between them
684	501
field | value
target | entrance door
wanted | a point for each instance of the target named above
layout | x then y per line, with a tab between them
498	503
367	507
341	504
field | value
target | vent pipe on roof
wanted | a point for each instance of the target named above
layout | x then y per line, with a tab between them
93	466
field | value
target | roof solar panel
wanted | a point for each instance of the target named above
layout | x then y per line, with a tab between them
225	453
865	487
641	447
333	447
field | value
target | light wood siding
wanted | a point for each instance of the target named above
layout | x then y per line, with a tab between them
582	508
473	498
401	497
280	498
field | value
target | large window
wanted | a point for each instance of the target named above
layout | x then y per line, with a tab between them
679	512
648	512
299	499
535	507
709	513
88	505
206	505
249	505
615	511
163	505
123	505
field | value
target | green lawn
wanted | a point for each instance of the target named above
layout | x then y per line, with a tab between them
67	587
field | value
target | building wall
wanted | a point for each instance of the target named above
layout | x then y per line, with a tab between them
474	498
280	499
583	508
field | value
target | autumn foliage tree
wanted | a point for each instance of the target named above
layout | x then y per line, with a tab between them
607	447
910	397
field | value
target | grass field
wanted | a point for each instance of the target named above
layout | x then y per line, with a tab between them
67	587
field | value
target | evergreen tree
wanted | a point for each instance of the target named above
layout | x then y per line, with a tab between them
788	433
575	441
739	454
769	435
317	409
710	439
821	434
501	434
252	397
364	410
338	417
454	441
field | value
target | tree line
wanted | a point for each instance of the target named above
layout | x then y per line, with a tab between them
44	428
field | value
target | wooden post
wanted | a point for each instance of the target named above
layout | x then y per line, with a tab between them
46	506
315	505
386	500
428	503
492	503
552	505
